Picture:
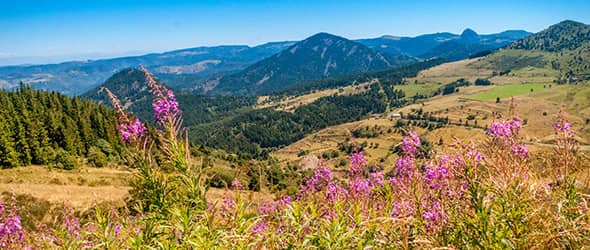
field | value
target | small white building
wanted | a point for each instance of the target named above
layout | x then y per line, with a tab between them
392	116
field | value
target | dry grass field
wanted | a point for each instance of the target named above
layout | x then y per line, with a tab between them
291	103
449	72
529	67
85	187
79	188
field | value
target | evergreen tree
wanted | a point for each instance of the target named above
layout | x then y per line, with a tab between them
8	155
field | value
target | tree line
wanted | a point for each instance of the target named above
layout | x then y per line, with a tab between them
39	127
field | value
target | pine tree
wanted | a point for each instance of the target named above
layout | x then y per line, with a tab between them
8	155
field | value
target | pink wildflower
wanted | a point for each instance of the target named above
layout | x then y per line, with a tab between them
237	185
117	230
73	226
520	149
260	227
227	207
284	201
267	207
410	143
377	178
357	163
133	131
164	103
359	187
333	191
433	215
404	166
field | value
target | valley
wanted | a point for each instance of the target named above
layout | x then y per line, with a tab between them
538	108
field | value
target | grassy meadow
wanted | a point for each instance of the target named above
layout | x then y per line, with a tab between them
509	90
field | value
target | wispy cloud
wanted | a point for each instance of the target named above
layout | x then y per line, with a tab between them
6	54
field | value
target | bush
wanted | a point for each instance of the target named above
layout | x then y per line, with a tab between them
220	177
97	158
482	82
63	160
302	152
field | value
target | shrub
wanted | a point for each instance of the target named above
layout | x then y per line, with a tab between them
302	152
482	82
97	158
220	177
63	160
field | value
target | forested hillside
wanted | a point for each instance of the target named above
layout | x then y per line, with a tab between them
561	48
317	57
38	127
386	76
256	132
566	35
129	86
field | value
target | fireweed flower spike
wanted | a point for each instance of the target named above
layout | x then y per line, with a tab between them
118	107
565	151
130	131
236	185
357	163
267	207
164	103
260	228
410	143
562	126
117	230
505	129
11	230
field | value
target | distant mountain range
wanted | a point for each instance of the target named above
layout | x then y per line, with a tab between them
320	56
203	68
179	68
439	44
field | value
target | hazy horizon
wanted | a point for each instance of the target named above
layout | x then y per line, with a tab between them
39	32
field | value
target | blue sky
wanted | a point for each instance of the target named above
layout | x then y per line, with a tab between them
49	31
